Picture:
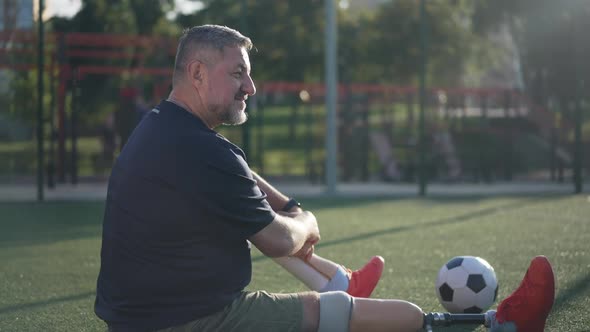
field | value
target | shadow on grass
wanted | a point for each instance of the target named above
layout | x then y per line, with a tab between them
33	305
580	288
348	202
26	224
445	221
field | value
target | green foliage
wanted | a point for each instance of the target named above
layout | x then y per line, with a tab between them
19	158
385	47
552	41
127	17
373	47
288	35
378	46
22	100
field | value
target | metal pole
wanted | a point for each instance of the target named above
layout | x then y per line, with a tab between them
578	108
246	126
578	144
40	161
260	133
74	125
422	129
52	131
63	73
447	319
331	35
308	147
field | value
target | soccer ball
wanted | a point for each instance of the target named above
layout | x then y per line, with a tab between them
466	284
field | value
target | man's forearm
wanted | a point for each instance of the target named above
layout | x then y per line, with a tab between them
287	235
275	198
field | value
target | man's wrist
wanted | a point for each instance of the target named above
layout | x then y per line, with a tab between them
292	203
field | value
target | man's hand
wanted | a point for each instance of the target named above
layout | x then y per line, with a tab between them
313	237
308	248
290	234
305	252
314	232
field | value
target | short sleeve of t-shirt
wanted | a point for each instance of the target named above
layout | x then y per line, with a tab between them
219	178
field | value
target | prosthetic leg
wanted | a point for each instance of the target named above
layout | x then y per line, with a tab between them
525	310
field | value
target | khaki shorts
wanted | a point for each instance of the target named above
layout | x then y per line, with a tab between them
252	311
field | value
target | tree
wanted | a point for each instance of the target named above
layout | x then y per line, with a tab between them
551	37
379	46
127	17
288	35
386	43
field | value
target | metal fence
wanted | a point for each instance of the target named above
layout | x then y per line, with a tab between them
472	135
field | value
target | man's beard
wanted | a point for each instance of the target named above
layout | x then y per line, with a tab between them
228	115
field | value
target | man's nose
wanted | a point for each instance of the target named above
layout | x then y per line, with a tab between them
249	86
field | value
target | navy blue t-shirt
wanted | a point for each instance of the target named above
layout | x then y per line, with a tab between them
181	204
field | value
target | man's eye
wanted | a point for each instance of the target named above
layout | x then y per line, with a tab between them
238	74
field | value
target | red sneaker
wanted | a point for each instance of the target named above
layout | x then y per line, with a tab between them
529	305
362	282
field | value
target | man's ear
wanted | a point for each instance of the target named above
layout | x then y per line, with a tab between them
196	72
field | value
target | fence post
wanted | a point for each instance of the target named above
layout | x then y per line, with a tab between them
61	109
40	93
423	97
509	147
246	131
554	140
578	144
364	132
483	166
52	133
331	72
578	116
260	132
74	125
308	147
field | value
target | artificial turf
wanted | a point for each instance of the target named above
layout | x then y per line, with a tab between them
49	252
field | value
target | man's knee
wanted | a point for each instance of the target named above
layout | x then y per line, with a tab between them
335	311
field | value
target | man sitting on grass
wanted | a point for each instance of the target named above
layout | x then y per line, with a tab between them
183	207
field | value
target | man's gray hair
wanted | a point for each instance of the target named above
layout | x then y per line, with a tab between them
203	37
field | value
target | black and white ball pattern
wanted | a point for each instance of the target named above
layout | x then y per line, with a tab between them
467	284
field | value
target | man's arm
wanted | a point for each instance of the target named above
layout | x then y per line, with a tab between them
291	234
288	235
275	198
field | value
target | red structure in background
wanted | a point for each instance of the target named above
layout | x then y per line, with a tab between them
18	51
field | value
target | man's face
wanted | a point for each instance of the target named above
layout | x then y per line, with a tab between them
229	85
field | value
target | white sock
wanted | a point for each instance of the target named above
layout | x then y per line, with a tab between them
494	326
339	282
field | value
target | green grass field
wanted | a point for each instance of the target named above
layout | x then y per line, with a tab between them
49	252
